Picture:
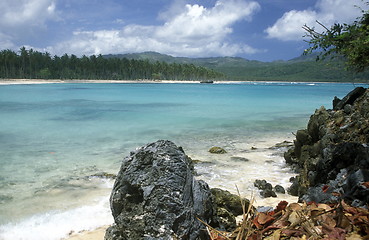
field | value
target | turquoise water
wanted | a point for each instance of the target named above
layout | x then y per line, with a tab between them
55	137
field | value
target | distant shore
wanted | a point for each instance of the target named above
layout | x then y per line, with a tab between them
47	81
44	81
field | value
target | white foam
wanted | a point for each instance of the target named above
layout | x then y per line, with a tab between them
57	225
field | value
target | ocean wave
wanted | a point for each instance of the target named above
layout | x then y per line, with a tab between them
56	225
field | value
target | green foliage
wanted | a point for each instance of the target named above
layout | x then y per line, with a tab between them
348	40
33	64
303	68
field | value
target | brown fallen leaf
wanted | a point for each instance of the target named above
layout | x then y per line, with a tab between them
337	233
264	219
281	206
292	232
276	225
294	206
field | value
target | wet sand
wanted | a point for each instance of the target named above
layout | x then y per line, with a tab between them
97	234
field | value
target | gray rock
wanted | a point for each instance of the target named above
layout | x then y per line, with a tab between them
217	150
268	193
279	189
349	98
240	159
155	196
262	184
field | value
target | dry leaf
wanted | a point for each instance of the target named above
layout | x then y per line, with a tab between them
337	233
276	235
294	218
264	219
292	232
281	206
294	206
353	236
324	206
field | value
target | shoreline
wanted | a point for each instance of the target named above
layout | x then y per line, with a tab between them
51	81
96	234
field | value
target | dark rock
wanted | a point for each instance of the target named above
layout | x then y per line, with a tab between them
217	150
268	193
347	108
226	221
316	125
284	144
336	100
303	137
354	187
279	189
349	98
267	188
290	157
263	184
231	202
334	140
155	196
241	159
227	206
294	188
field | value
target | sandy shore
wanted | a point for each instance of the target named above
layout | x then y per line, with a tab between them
97	234
43	81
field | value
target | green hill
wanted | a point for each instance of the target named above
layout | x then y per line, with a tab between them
303	68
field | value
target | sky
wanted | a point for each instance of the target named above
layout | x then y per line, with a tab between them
264	30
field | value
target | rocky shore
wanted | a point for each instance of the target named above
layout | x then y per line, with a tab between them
156	195
332	154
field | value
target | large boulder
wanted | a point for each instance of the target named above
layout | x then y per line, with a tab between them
335	140
155	196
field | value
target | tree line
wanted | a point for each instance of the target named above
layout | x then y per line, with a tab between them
30	64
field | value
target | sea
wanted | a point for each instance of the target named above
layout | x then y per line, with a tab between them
59	143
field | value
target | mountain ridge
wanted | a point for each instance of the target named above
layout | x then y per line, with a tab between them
301	68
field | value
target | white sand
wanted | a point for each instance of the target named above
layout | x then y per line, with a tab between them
42	81
97	234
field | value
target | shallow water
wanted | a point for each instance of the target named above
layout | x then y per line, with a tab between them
55	137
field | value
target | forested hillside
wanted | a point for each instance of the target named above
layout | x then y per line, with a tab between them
38	65
303	68
151	65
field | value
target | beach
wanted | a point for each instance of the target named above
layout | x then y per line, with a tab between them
59	142
97	234
48	81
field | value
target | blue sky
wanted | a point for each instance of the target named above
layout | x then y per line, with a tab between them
264	30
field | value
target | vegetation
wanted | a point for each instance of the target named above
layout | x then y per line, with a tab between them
155	66
38	65
303	68
348	40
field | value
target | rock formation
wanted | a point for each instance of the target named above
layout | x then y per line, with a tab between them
155	196
332	154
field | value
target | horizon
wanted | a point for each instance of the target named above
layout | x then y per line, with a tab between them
259	30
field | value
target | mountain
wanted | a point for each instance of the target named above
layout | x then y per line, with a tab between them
302	68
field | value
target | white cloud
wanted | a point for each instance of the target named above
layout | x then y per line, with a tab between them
23	17
289	26
195	30
21	13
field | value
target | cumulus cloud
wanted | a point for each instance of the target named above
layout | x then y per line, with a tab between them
289	26
193	30
23	17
